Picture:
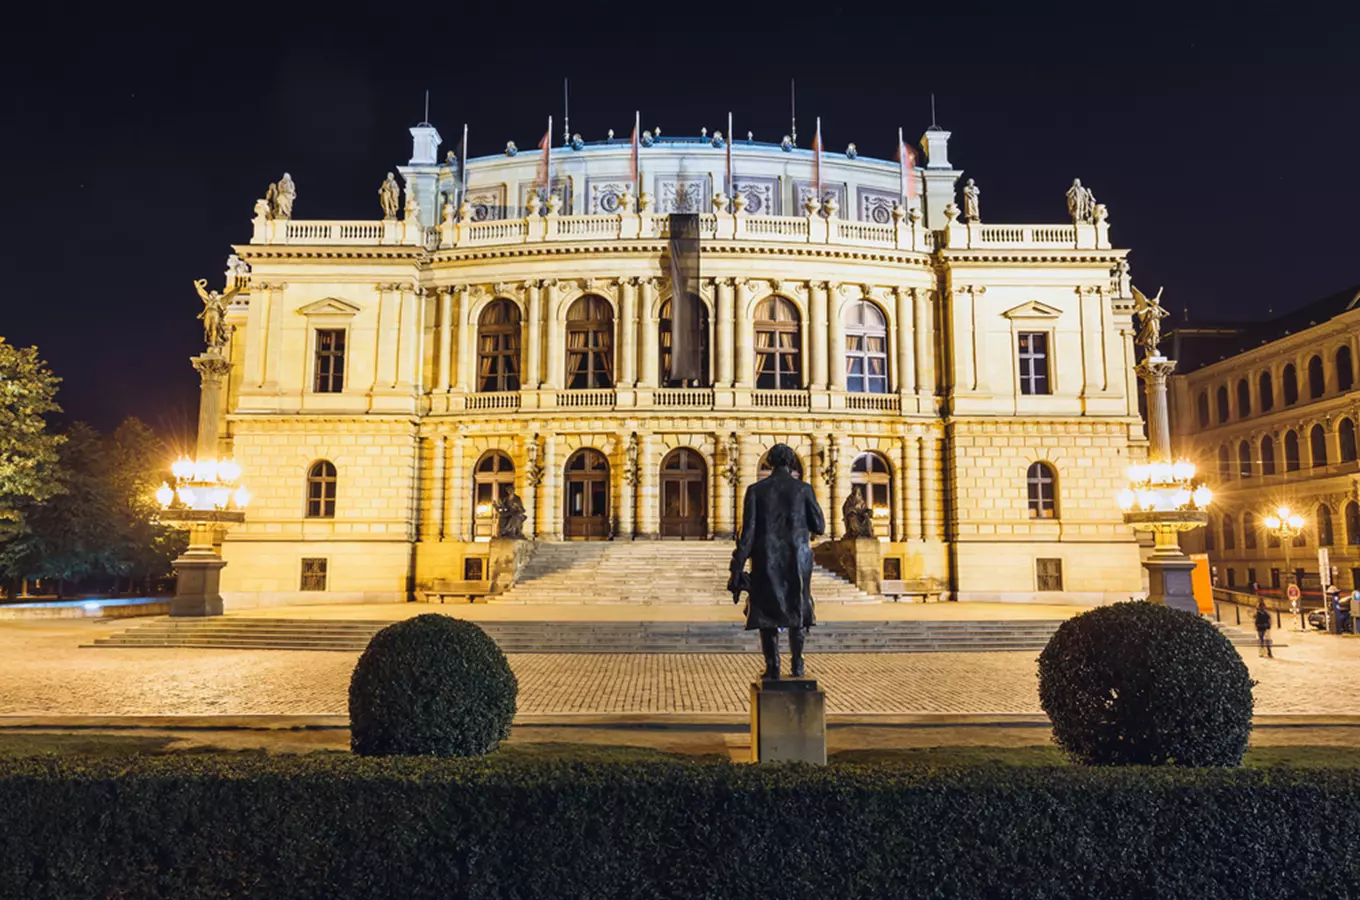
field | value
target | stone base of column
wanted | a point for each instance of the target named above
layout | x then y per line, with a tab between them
1169	583
198	575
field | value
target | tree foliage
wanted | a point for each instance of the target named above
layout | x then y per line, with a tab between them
28	453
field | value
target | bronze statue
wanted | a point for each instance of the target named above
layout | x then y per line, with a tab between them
780	516
1150	314
859	518
214	315
511	516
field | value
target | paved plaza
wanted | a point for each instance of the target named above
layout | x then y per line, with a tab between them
44	671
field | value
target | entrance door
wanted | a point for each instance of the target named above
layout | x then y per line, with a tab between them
587	500
684	495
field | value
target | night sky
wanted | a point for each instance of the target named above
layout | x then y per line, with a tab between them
1223	137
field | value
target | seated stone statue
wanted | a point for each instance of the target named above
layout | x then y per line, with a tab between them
859	518
511	516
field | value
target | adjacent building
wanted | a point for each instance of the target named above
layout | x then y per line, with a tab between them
392	379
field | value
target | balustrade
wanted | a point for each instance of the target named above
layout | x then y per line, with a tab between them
689	398
598	398
498	400
780	399
890	403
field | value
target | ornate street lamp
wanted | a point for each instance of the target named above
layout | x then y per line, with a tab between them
1164	496
1286	526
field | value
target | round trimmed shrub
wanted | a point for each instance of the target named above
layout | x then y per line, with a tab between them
1137	683
431	686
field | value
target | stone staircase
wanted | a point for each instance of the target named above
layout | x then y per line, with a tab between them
646	572
914	636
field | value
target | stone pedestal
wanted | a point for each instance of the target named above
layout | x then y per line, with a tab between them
859	560
505	558
198	574
788	721
1169	583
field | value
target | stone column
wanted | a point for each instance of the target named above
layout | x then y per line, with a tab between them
212	370
722	467
1154	371
930	480
445	342
533	335
821	487
557	339
648	501
923	327
840	486
532	477
745	349
466	338
906	331
724	354
836	339
458	486
651	339
628	332
816	330
749	470
628	488
438	489
552	490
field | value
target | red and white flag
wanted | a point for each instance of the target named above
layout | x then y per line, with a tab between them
817	160
544	179
634	164
906	158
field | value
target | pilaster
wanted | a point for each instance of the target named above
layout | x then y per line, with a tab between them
817	326
651	339
814	471
727	474
835	350
629	489
552	488
744	376
628	332
930	482
906	333
438	489
445	341
533	335
466	338
724	352
556	374
648	500
457	525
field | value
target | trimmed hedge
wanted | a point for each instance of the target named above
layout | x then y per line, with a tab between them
342	826
1137	683
431	686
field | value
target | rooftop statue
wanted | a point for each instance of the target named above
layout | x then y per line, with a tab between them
1150	314
859	518
1081	202
281	197
970	201
780	516
389	195
214	315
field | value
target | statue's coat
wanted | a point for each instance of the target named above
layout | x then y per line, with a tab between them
779	518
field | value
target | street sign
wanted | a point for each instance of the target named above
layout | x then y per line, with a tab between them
1293	592
1325	567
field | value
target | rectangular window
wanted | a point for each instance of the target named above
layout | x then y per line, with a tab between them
473	569
1275	579
1232	578
1251	576
1049	573
892	569
313	574
330	361
1034	362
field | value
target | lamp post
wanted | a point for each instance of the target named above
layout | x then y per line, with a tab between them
1286	526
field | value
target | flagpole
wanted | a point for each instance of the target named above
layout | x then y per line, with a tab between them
730	138
818	159
462	168
566	114
793	111
902	164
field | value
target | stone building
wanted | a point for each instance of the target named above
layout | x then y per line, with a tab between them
392	378
1269	411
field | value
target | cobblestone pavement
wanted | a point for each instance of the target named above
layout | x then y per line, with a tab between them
44	672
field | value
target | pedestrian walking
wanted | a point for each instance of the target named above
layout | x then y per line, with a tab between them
1263	642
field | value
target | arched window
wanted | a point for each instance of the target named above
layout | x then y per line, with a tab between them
1224	462
590	343
1229	533
1317	381
321	490
667	329
778	343
1043	491
1267	391
1291	385
1272	539
1353	523
1243	398
1267	455
1209	535
1244	466
1345	372
1345	434
764	469
1324	525
1291	451
1222	402
492	479
1249	528
866	348
1317	440
1202	409
871	478
498	332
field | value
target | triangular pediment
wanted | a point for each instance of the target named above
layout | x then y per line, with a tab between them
331	306
1033	310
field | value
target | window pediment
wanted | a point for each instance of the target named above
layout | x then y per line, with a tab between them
1033	310
331	306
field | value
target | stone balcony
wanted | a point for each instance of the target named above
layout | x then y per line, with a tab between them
905	233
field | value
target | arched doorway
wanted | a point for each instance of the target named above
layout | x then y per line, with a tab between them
492	479
871	478
684	495
587	498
